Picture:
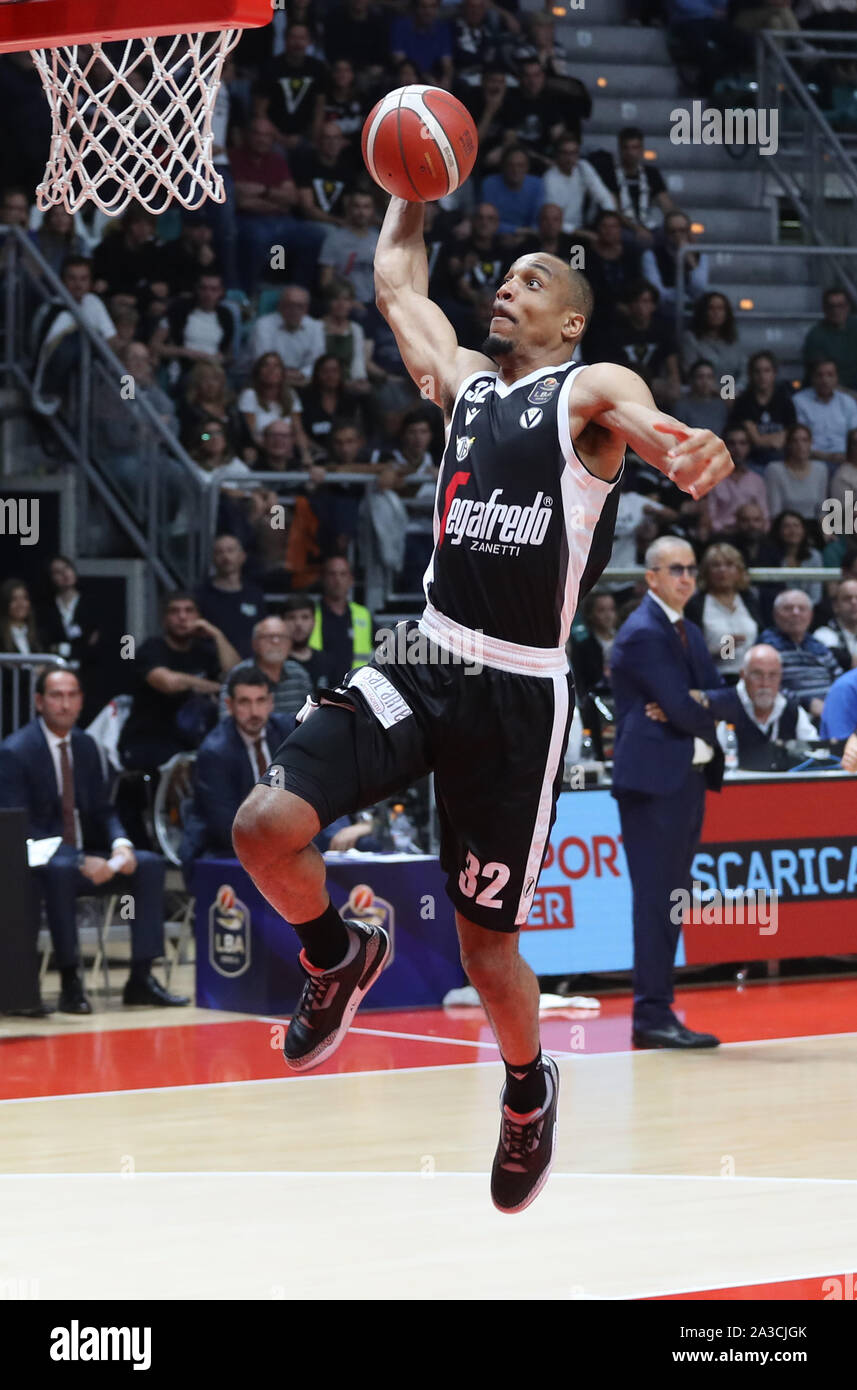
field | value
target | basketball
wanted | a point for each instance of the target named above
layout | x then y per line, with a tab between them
225	897
419	143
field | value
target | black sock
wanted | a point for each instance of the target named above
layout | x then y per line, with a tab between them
325	939
140	971
526	1088
68	975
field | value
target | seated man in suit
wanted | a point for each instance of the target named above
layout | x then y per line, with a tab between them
660	773
53	771
232	758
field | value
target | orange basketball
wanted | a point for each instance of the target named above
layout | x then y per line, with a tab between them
225	897
419	143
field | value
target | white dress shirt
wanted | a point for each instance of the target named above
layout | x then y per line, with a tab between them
702	751
53	741
249	744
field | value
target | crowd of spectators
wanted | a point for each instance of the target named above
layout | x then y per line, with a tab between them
251	329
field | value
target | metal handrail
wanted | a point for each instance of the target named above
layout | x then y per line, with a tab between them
25	663
25	263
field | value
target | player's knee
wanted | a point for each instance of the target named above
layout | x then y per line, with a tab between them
272	823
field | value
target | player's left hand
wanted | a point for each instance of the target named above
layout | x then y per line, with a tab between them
698	461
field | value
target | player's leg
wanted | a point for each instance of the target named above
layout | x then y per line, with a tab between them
508	989
313	779
509	992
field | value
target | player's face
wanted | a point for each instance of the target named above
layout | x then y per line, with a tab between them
531	308
251	707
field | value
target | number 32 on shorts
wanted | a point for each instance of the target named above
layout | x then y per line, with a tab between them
496	874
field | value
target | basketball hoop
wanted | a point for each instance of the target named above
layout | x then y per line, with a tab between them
135	128
131	117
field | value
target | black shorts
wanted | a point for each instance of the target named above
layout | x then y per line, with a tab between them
495	742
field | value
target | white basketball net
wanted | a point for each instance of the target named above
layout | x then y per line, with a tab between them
132	121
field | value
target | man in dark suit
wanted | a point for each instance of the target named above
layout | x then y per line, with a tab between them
660	774
230	761
52	770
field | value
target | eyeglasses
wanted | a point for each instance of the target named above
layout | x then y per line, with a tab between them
676	571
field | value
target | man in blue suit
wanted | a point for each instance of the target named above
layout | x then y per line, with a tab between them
52	770
229	762
660	774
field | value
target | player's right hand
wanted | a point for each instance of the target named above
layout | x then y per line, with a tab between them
698	461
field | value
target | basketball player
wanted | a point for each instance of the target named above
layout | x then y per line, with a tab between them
524	511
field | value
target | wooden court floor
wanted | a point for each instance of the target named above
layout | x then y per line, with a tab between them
171	1156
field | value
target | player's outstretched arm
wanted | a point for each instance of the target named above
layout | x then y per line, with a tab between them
620	401
425	337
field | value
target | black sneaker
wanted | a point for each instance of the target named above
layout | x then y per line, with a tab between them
330	999
524	1155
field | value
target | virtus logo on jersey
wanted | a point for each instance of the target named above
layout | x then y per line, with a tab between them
495	526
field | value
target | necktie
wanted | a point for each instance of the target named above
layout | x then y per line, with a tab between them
682	633
69	834
261	761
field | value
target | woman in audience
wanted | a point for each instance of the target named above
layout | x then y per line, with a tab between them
788	546
800	482
268	398
69	621
326	400
726	608
764	410
345	339
844	480
703	408
207	397
57	238
713	337
18	634
213	451
590	657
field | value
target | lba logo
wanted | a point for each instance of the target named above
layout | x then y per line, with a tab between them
229	940
365	906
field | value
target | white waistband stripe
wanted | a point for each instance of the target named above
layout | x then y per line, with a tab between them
469	645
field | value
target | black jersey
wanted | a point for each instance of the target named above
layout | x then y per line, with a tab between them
522	529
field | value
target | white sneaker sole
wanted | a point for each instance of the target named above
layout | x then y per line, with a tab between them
328	1047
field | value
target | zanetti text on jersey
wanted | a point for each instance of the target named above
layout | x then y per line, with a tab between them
515	526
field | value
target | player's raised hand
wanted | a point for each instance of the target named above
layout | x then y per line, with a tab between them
698	461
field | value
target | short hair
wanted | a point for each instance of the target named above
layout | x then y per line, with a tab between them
177	596
640	287
821	362
580	295
245	675
588	605
54	670
757	357
836	289
700	362
602	216
630	132
208	274
658	546
344	422
787	593
297	603
71	261
796	428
